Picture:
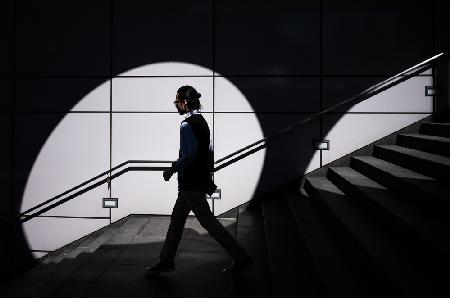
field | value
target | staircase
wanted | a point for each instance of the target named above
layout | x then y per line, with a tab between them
111	262
377	225
368	225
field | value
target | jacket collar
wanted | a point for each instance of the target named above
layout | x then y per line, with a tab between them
190	113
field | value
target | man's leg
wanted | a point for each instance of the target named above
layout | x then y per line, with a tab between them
177	221
198	204
173	237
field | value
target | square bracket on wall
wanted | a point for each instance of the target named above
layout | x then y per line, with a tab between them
110	202
432	90
217	195
321	144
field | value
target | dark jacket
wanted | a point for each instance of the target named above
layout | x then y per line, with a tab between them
196	175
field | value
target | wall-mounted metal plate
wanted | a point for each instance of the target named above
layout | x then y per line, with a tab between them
432	90
217	195
321	145
110	202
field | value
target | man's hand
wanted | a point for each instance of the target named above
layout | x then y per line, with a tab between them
167	174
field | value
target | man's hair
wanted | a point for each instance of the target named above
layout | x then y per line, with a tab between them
191	96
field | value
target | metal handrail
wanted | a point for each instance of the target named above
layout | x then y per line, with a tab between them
24	217
366	94
386	84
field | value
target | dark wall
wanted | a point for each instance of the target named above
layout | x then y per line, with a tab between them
289	58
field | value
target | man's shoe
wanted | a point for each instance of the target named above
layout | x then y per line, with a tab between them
161	267
237	266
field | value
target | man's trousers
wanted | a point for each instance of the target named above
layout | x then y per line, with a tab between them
196	201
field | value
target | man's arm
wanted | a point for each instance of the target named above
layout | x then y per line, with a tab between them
188	147
188	150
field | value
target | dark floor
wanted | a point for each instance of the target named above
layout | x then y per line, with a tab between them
112	263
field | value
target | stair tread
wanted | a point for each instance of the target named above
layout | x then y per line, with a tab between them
394	263
444	124
425	183
427	137
425	225
89	243
435	128
439	145
435	158
54	269
128	231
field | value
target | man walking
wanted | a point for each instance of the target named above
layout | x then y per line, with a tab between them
194	167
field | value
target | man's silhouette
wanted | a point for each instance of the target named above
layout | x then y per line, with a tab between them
194	167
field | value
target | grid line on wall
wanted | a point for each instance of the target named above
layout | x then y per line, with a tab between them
213	80
320	79
216	112
210	76
433	40
111	67
13	95
10	236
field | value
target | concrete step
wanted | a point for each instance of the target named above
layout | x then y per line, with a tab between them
397	215
57	266
292	269
110	249
87	244
87	267
435	129
127	231
429	164
409	185
380	248
342	265
431	144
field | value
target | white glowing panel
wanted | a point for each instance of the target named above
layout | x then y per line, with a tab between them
408	96
46	233
354	131
152	136
157	94
98	99
237	181
76	151
228	99
144	193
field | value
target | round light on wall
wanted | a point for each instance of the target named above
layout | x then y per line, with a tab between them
143	125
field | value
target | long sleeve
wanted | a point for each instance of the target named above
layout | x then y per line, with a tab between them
188	148
211	156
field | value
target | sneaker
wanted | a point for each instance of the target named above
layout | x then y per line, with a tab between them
237	266
161	267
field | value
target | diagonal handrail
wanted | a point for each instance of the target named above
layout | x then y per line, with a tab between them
231	158
90	180
366	94
109	176
23	217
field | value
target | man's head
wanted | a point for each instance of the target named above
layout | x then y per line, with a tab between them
187	99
